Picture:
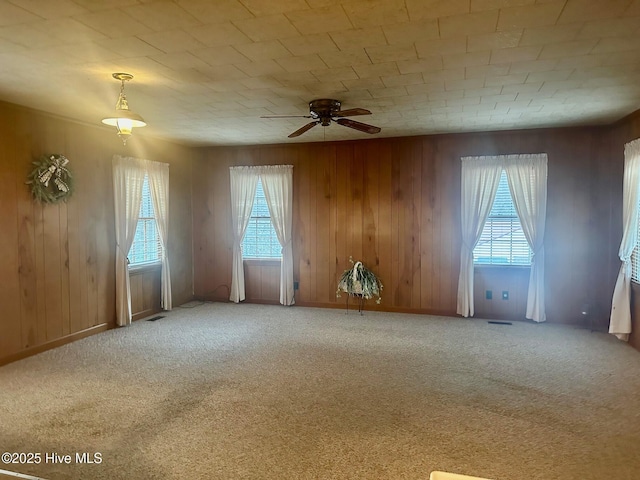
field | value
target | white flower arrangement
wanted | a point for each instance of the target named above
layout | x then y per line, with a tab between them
361	281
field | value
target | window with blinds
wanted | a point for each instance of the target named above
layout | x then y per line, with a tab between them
146	246
635	256
260	240
502	241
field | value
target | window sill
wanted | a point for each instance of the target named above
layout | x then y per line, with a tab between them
263	262
483	266
145	267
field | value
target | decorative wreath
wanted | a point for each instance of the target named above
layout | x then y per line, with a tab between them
51	180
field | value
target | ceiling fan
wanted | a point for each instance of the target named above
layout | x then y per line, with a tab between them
323	111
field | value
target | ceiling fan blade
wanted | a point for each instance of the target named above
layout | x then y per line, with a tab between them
301	130
352	112
286	116
363	127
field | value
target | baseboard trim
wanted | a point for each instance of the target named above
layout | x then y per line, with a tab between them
371	306
58	342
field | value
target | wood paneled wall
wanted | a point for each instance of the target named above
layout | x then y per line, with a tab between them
57	261
394	204
262	281
145	285
514	281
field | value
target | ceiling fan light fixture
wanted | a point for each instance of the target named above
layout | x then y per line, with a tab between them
124	119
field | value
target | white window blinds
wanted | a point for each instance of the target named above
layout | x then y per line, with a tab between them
260	239
146	246
502	241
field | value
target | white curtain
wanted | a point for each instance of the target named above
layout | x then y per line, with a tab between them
244	181
158	174
527	177
620	321
128	176
480	178
277	181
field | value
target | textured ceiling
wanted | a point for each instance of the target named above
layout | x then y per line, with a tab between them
206	70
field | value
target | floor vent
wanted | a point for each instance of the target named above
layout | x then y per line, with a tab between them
494	322
153	319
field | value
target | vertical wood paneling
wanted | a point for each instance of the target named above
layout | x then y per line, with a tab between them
568	202
370	208
329	153
204	245
145	291
499	280
52	272
428	183
77	251
212	227
342	238
270	280
135	287
409	200
58	260
52	241
392	202
10	335
324	188
395	204
355	217
307	173
304	228
105	239
41	292
65	292
397	211
416	225
397	216
262	281
27	269
448	153
385	228
438	244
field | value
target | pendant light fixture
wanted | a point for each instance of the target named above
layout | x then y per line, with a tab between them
124	119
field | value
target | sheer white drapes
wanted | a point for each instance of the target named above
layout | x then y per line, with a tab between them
620	320
527	177
244	181
277	181
480	178
158	174
128	176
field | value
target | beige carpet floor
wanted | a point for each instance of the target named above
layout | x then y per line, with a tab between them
222	391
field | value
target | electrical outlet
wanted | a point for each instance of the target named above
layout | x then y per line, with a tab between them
295	285
488	295
505	295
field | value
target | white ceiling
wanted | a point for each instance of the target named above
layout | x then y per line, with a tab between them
206	70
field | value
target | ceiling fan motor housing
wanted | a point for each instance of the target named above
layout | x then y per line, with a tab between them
323	109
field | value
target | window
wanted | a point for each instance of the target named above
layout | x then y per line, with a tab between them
635	256
146	246
260	240
502	241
